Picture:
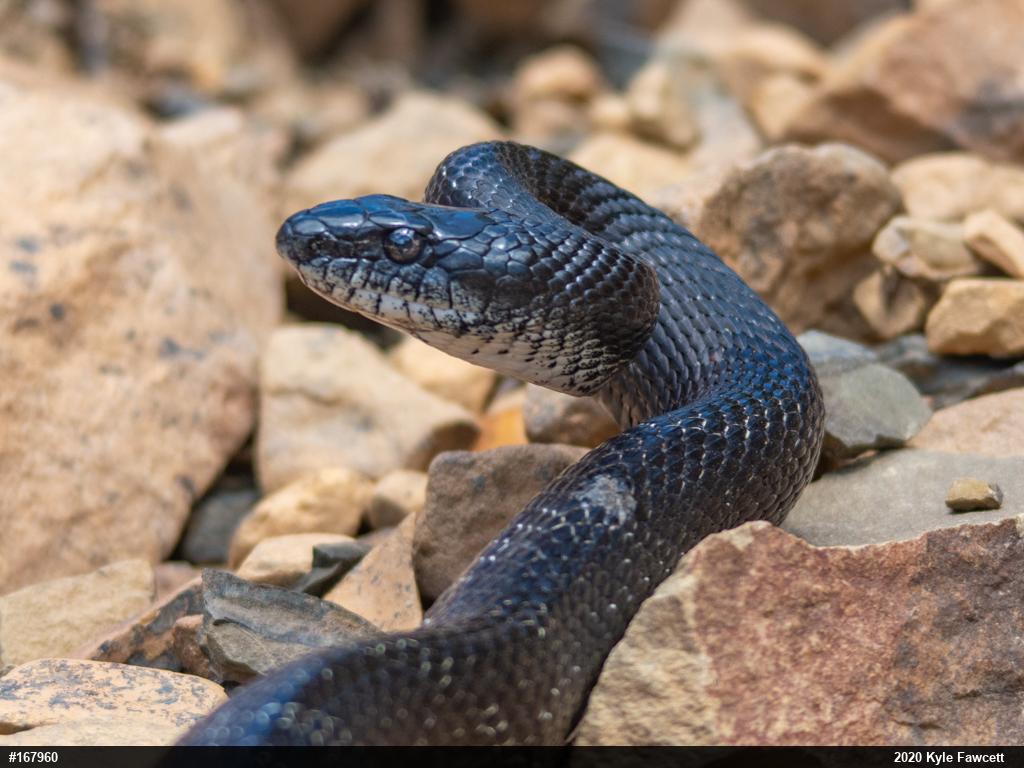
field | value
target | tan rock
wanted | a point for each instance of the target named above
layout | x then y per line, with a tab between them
394	154
775	101
446	376
920	83
553	417
763	50
707	26
967	494
331	500
978	316
53	618
990	425
282	560
950	185
564	72
396	496
996	240
760	638
216	46
97	690
146	640
330	399
130	353
796	224
636	165
173	575
382	588
930	250
659	106
471	497
101	731
891	304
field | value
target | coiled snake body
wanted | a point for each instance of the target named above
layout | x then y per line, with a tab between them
526	263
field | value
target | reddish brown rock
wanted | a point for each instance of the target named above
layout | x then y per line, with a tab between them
991	425
946	77
471	497
130	353
382	588
978	316
760	638
797	224
147	640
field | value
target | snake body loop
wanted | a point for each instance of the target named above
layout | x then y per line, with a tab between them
531	265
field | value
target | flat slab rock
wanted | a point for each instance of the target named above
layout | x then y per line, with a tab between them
761	638
51	692
899	495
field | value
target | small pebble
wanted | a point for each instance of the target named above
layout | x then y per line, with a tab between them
968	494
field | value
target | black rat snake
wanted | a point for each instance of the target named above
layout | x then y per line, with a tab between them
530	265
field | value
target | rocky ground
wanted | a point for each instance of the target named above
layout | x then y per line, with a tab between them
206	471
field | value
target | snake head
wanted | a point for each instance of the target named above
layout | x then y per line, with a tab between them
521	296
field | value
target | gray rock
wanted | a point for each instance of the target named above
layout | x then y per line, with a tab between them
832	354
470	498
212	522
948	380
553	417
868	407
250	629
898	496
330	563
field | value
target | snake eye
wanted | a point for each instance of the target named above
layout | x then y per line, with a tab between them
402	245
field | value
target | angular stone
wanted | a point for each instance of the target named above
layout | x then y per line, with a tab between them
186	634
867	408
331	562
898	495
382	588
250	629
395	153
796	224
950	76
448	377
147	640
53	618
471	497
832	354
116	419
776	101
969	494
760	638
396	496
978	316
992	425
998	241
61	691
919	248
553	417
950	185
282	561
330	500
331	399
